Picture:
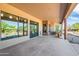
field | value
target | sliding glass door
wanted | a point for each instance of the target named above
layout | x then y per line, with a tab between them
33	29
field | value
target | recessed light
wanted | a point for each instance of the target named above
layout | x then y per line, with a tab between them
2	14
16	18
24	20
10	17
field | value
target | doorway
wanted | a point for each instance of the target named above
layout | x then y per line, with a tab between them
45	23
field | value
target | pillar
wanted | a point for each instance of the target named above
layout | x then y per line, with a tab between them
0	25
65	28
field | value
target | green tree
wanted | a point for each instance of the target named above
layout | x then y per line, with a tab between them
75	26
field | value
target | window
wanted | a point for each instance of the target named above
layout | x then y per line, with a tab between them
8	28
12	26
23	27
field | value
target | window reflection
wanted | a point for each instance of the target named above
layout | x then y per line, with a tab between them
8	28
20	28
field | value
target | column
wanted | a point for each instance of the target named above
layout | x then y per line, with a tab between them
29	29
61	30
0	25
65	28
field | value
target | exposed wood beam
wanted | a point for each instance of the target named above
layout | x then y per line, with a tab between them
66	10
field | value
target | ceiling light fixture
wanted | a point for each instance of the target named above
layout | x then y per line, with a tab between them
2	14
10	17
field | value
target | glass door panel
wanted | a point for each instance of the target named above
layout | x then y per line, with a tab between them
33	29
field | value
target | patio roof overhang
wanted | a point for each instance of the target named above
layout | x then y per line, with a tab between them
68	10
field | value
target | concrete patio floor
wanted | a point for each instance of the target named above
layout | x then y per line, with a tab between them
41	46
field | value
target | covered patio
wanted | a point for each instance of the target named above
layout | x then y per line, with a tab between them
36	40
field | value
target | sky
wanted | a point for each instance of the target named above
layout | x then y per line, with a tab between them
74	16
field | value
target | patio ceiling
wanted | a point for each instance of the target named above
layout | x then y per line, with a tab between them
44	11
